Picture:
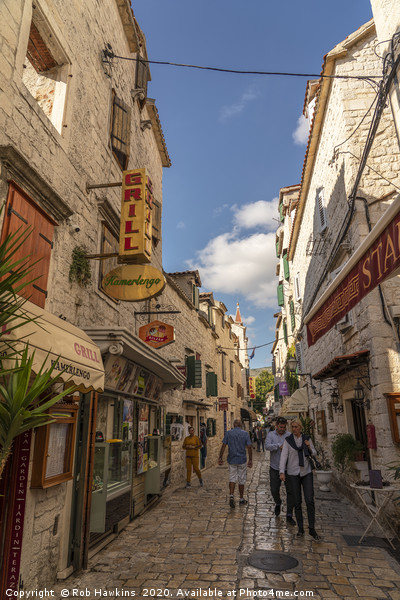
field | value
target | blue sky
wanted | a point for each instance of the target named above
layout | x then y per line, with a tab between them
231	137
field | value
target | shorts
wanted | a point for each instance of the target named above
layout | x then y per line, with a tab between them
238	473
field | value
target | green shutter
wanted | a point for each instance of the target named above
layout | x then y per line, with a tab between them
209	427
214	427
193	372
281	300
292	317
285	266
211	384
281	215
285	332
277	249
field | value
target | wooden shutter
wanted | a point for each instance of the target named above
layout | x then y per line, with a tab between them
211	384
142	75
321	211
22	214
285	337
299	357
292	316
281	300
193	377
120	131
195	297
297	292
286	272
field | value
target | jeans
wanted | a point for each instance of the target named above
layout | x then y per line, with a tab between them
295	483
275	485
203	456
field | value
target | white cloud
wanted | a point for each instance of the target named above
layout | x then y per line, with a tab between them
257	214
300	135
232	110
233	264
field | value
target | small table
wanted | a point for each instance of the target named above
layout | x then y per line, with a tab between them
387	494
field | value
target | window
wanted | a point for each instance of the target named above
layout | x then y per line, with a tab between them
46	70
211	427
156	222
109	244
223	363
120	131
23	214
321	210
231	373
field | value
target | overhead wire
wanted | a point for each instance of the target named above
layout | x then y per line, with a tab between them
369	78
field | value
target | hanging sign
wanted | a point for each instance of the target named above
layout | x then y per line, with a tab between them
252	388
136	222
283	388
157	334
133	283
223	403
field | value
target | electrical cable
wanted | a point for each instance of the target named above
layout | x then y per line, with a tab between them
369	78
358	126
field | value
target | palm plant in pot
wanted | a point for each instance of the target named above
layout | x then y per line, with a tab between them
324	474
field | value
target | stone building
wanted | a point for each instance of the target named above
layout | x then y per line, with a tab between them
347	333
72	119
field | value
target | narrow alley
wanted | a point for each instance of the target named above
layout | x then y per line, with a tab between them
193	545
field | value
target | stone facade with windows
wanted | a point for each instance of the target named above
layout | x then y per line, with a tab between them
333	218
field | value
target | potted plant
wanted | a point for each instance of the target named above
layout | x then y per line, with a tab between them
324	474
345	449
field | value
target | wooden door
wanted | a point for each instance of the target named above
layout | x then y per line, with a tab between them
23	214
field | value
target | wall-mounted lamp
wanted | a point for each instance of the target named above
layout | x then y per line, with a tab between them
359	395
292	365
335	401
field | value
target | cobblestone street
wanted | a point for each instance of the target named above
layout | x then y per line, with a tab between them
192	540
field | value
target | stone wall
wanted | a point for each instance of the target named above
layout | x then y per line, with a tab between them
57	165
344	119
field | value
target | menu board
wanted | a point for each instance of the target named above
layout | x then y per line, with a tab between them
56	449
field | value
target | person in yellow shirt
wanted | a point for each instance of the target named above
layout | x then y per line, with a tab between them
192	445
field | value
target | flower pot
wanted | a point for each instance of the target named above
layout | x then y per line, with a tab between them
324	478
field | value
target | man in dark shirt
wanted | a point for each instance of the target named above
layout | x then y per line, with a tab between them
237	441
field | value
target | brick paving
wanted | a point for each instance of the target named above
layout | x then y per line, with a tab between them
191	540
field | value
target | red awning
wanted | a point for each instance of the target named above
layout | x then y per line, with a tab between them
342	364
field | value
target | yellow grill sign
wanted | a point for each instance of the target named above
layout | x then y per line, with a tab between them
136	224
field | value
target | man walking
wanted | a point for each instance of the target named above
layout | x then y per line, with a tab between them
274	445
237	441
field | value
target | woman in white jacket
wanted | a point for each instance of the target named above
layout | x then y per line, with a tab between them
294	460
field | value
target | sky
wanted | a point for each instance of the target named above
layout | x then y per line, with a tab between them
235	139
